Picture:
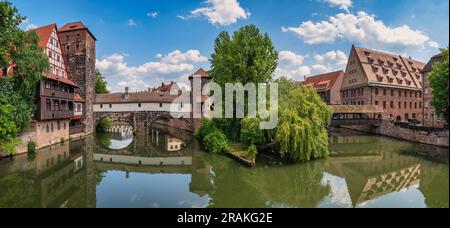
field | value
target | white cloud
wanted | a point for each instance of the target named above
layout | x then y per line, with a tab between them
152	14
293	66
30	27
335	58
220	12
433	44
290	66
362	28
171	67
290	58
342	4
320	69
131	22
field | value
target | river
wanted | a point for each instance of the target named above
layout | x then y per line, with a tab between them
166	169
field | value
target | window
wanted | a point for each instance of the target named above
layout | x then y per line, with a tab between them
392	92
405	105
78	46
48	129
414	115
384	104
51	126
399	105
160	105
101	106
376	102
68	47
410	105
48	105
406	116
64	125
376	91
392	105
110	105
420	104
384	92
58	124
139	105
400	93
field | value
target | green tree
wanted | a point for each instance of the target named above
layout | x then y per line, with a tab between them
101	85
21	50
246	57
439	84
301	133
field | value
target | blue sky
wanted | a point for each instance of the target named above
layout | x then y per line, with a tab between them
142	43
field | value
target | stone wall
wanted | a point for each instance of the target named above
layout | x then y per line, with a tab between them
57	130
425	135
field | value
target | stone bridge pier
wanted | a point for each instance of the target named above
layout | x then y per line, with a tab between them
143	121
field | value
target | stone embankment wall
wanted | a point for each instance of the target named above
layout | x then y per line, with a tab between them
425	135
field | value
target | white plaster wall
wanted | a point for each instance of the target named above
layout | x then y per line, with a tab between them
134	107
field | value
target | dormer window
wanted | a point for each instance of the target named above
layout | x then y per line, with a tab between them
375	69
385	70
390	80
371	60
408	82
391	64
399	66
380	78
403	73
395	72
381	62
366	53
399	81
395	59
418	76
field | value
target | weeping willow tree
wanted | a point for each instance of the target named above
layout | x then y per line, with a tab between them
301	133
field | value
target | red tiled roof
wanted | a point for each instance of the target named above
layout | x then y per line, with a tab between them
60	79
139	97
381	66
329	79
78	98
44	32
75	26
200	73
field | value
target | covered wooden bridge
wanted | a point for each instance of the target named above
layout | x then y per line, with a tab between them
348	115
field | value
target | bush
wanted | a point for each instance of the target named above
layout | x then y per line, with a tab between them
206	127
230	127
31	147
251	134
104	124
9	146
216	142
250	153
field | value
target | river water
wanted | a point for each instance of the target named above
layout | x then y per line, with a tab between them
166	169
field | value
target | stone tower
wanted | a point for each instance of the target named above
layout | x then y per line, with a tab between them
78	46
198	102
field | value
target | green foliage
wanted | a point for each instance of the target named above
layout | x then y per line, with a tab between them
104	124
216	142
9	146
301	133
205	128
101	85
31	146
247	56
18	93
251	134
230	127
250	153
439	84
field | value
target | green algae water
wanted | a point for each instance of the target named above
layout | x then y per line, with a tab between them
165	169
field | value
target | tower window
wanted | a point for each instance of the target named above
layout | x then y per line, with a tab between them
68	47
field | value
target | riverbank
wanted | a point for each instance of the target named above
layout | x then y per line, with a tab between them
417	134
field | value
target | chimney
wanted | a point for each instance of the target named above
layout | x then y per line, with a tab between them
127	94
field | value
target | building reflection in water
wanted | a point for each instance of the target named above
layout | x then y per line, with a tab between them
370	174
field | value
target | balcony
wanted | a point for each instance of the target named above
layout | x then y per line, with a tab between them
57	94
55	115
76	129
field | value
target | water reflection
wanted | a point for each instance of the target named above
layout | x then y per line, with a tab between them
165	169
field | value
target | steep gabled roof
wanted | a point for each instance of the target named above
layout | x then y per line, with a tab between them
328	79
74	26
44	33
391	70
